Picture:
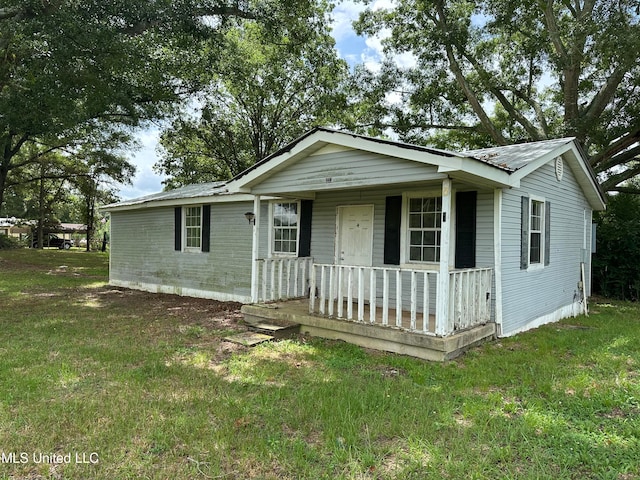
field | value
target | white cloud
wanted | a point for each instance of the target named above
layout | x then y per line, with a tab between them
145	181
366	49
375	43
343	17
371	53
348	11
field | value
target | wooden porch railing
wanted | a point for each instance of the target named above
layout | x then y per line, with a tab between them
377	293
401	298
283	278
470	297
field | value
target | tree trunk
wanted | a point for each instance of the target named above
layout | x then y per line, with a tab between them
3	180
89	221
4	173
41	210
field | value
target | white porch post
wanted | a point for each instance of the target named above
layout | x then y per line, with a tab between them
255	249
442	309
497	255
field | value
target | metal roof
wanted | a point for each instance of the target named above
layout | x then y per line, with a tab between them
514	157
190	191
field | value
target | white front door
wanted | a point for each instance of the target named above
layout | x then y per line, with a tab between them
354	242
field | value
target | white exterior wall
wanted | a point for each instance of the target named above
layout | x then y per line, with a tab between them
537	296
323	235
143	255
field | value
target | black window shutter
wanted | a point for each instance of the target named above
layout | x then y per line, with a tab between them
392	217
306	210
466	229
177	228
547	233
206	227
524	237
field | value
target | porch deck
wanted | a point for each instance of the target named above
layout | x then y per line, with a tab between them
396	337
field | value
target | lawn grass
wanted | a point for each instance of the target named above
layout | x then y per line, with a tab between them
145	383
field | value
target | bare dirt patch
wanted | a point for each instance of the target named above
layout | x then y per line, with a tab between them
190	311
197	324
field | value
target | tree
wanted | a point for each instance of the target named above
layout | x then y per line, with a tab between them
616	263
59	177
97	169
495	72
40	187
266	92
69	66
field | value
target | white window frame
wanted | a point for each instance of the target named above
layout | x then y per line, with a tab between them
540	264
405	235
272	228
185	247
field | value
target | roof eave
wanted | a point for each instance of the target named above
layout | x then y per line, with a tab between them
172	202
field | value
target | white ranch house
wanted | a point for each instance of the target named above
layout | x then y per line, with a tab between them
384	244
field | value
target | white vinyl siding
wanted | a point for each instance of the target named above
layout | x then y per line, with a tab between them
537	290
345	169
324	227
143	256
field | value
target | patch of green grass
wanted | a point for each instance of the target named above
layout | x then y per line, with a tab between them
146	383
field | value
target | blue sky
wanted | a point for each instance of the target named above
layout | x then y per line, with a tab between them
350	46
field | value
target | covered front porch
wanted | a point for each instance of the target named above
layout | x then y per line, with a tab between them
391	309
379	238
402	298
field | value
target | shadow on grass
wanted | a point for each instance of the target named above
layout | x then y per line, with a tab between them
147	382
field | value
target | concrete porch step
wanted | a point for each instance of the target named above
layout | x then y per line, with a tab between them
276	331
262	322
249	339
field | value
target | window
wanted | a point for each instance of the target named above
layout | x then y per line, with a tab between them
535	245
193	228
425	223
536	232
285	216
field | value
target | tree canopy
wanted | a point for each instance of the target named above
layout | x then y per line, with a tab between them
265	93
67	66
494	72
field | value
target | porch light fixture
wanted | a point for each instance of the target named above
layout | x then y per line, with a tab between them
251	217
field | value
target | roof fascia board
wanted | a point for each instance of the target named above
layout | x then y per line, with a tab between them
580	167
294	190
272	165
400	151
227	198
484	171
